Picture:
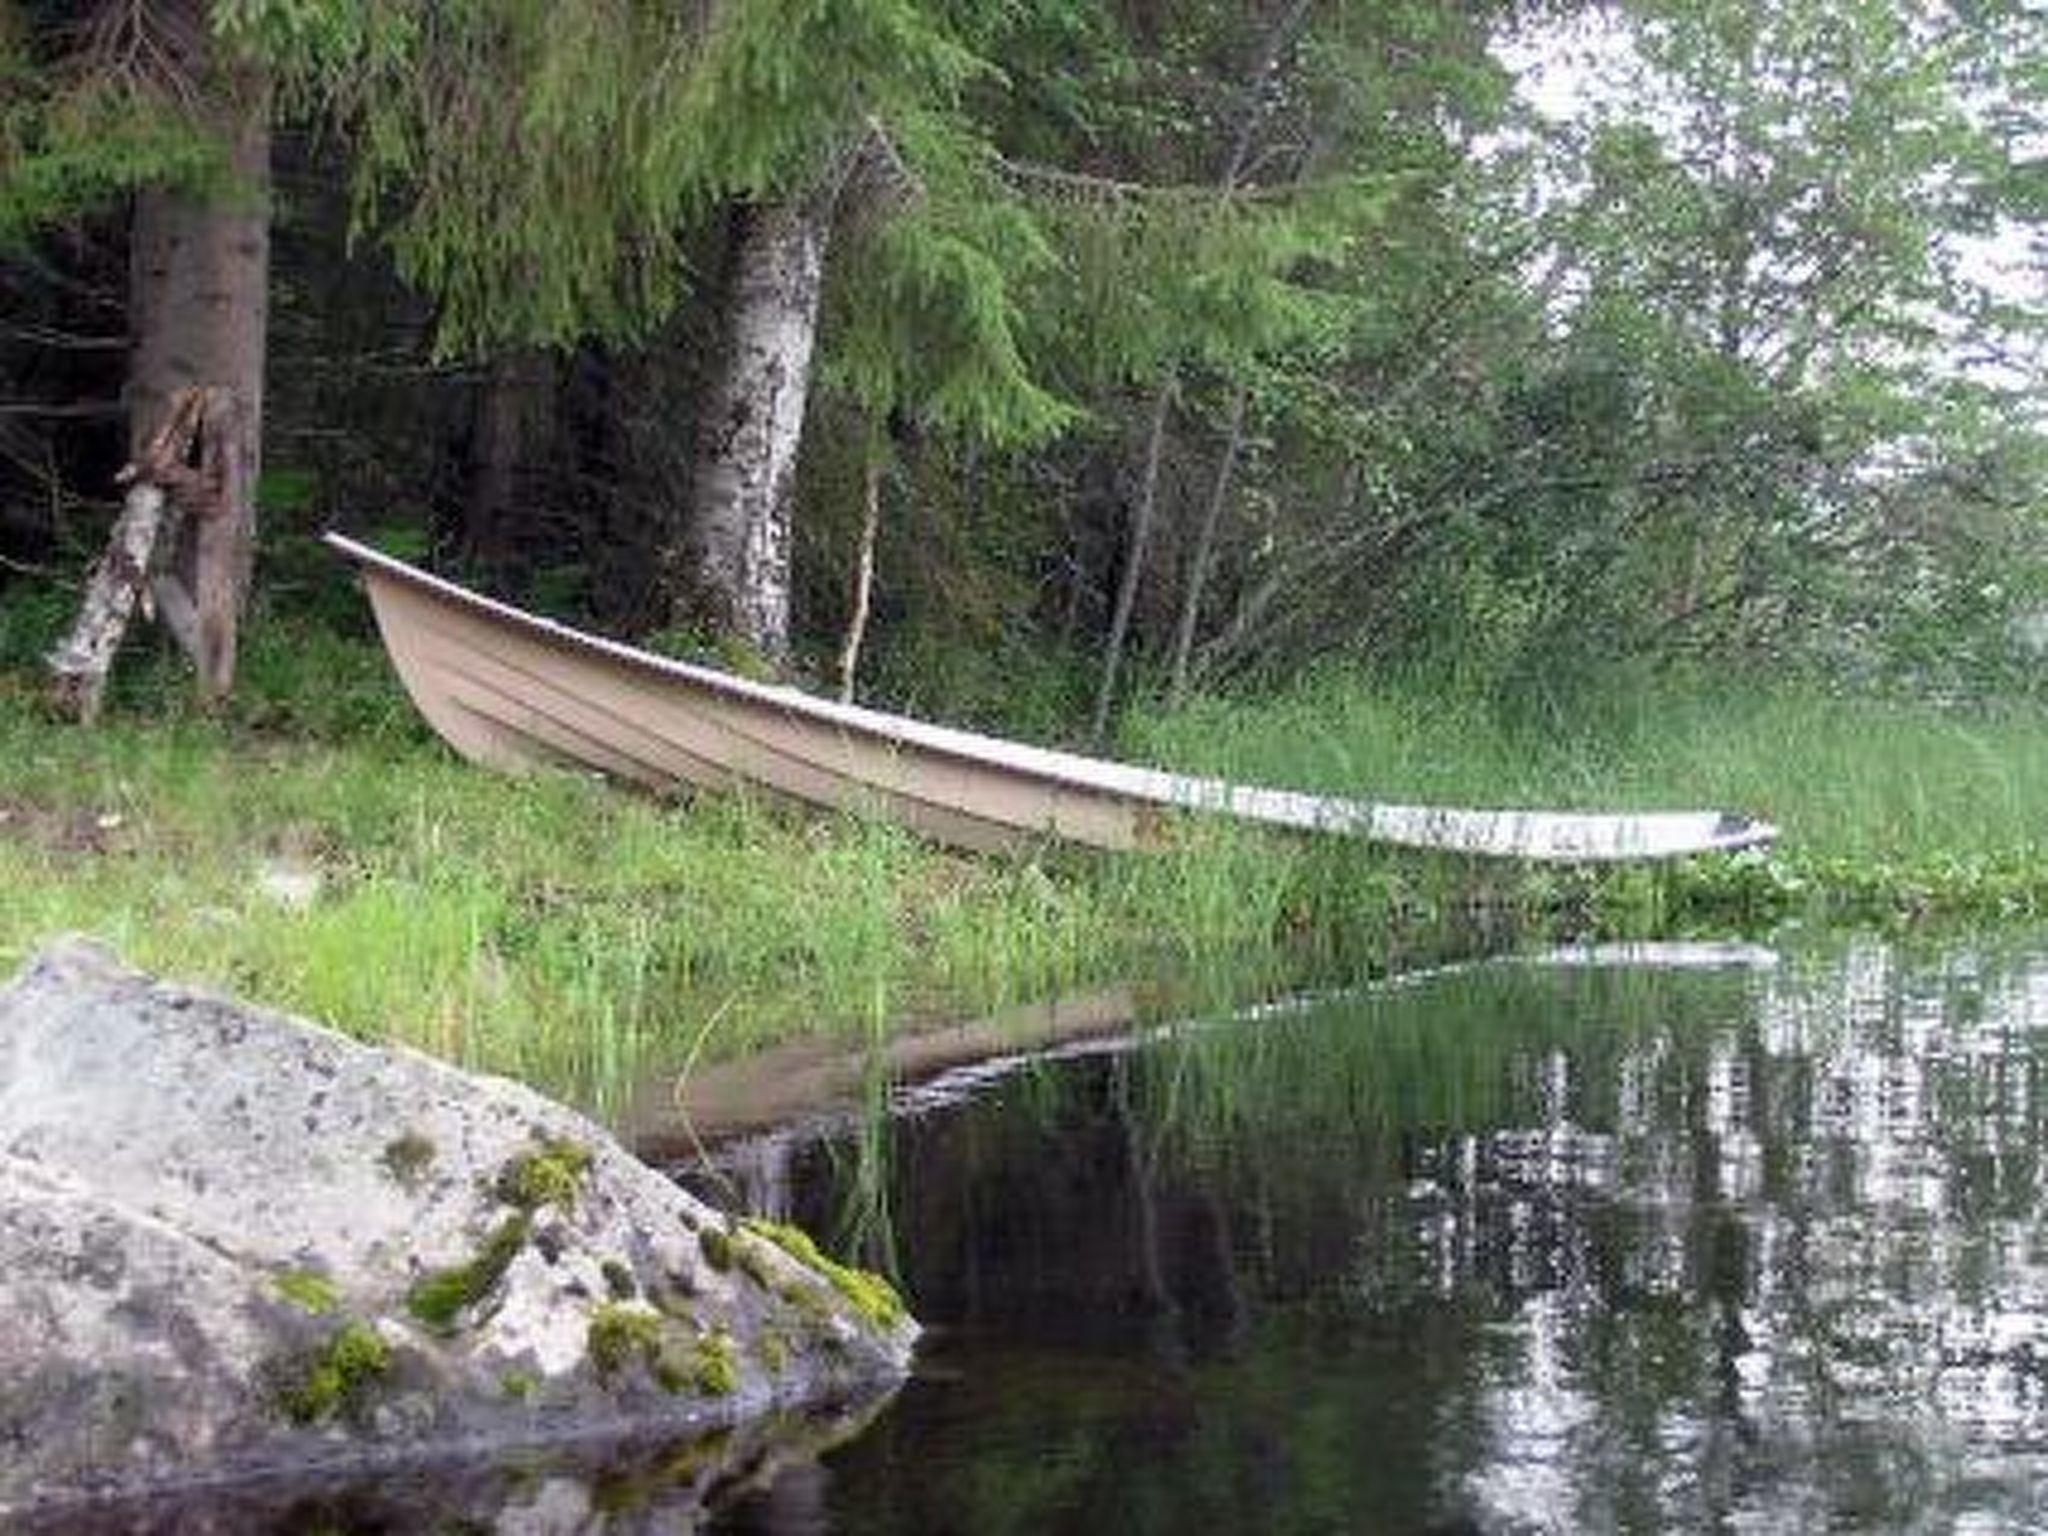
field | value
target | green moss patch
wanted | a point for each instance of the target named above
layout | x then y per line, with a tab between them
439	1298
869	1294
551	1174
339	1377
407	1158
774	1350
717	1371
620	1334
308	1290
522	1386
716	1246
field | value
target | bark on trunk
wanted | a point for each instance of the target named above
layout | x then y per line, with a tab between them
199	301
738	543
510	404
80	663
163	488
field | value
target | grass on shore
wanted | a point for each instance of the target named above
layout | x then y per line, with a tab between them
561	931
1887	808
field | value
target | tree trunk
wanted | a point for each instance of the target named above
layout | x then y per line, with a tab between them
509	406
1258	104
1134	561
80	662
1205	547
163	488
863	578
199	301
738	542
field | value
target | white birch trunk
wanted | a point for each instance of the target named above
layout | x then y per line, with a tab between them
863	580
80	663
739	539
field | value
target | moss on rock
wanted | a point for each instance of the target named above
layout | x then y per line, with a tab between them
439	1298
407	1158
718	1365
620	1333
873	1297
716	1246
551	1174
308	1290
337	1378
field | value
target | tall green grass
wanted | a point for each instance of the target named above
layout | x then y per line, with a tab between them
580	937
1863	789
553	928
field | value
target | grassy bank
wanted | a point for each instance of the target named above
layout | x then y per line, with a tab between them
316	851
1888	808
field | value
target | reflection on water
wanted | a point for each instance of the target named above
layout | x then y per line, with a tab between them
650	1487
1519	1248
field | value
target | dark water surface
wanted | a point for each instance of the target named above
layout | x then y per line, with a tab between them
1740	1246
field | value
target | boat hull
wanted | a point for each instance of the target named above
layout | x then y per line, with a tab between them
512	691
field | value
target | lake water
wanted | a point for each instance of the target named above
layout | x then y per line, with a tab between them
1652	1240
1588	1243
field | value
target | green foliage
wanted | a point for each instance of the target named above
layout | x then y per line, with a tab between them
535	165
69	146
1747	428
315	39
926	320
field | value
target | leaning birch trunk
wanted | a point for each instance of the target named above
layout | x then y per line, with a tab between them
160	481
739	540
199	302
80	663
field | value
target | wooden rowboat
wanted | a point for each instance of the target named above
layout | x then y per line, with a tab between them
513	691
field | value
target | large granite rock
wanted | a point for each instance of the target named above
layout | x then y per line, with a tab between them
233	1243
